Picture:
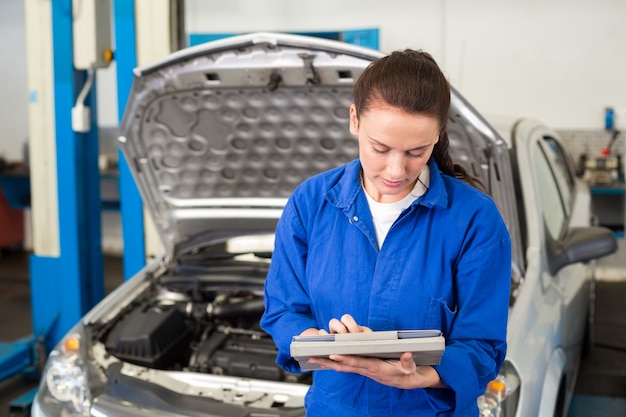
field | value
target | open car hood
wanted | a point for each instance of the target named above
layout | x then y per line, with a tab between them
217	136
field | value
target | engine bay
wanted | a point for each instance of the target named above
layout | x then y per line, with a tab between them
206	323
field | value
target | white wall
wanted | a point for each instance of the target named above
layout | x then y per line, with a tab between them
13	87
561	61
13	94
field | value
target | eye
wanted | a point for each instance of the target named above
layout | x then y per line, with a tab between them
416	156
379	151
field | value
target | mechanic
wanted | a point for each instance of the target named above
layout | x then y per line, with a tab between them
401	238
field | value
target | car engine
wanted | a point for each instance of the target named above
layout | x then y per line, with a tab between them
204	325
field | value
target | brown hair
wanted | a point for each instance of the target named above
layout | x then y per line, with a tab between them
413	82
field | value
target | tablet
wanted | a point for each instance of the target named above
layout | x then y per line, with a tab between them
427	346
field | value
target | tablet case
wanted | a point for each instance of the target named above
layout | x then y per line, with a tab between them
427	346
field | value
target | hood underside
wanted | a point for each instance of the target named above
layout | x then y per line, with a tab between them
217	136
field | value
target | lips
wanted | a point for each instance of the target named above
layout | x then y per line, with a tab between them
391	184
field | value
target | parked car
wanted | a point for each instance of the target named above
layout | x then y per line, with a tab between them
218	136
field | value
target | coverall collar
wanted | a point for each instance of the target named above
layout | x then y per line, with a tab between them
344	193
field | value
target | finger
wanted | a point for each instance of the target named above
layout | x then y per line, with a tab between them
322	332
335	326
356	363
352	361
407	362
326	363
350	323
342	363
310	332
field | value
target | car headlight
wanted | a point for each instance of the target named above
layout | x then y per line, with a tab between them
68	380
501	397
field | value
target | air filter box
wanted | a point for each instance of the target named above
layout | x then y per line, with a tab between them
150	338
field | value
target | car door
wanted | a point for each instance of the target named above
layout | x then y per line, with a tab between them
566	204
563	305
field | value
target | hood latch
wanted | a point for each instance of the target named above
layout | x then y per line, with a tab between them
312	76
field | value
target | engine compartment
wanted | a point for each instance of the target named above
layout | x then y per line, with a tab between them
206	324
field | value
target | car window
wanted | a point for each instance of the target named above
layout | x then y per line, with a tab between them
550	198
563	170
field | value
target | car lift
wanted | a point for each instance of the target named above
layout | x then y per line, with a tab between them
66	267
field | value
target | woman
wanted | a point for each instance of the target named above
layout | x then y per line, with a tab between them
398	239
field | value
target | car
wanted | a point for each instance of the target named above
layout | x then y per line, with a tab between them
218	136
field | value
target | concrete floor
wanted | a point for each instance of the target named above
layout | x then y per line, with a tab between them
600	389
601	384
16	320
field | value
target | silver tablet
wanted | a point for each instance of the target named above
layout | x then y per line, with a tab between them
427	346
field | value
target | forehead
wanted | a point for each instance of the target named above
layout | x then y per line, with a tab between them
396	129
386	117
379	105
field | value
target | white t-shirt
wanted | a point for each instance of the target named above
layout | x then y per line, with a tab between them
385	214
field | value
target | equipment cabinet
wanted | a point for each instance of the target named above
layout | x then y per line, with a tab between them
608	206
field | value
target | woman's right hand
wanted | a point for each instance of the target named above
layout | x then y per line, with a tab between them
347	324
313	332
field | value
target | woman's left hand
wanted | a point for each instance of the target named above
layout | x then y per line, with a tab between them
401	373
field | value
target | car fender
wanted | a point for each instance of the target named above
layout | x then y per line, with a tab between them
551	382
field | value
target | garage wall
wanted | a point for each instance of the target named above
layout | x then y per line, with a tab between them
556	60
13	94
561	61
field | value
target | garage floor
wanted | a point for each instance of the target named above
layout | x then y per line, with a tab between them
600	389
601	384
16	321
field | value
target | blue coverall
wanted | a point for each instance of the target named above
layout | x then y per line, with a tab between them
445	264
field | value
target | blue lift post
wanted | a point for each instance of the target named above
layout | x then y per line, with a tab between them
131	207
64	288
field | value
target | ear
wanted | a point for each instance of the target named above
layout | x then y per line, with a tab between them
442	132
354	120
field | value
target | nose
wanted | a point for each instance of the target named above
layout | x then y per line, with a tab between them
396	166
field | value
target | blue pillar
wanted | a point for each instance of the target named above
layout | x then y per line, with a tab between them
63	289
131	207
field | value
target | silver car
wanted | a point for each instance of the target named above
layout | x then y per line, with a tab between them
218	136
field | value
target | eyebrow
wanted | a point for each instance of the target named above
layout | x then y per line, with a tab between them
419	148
